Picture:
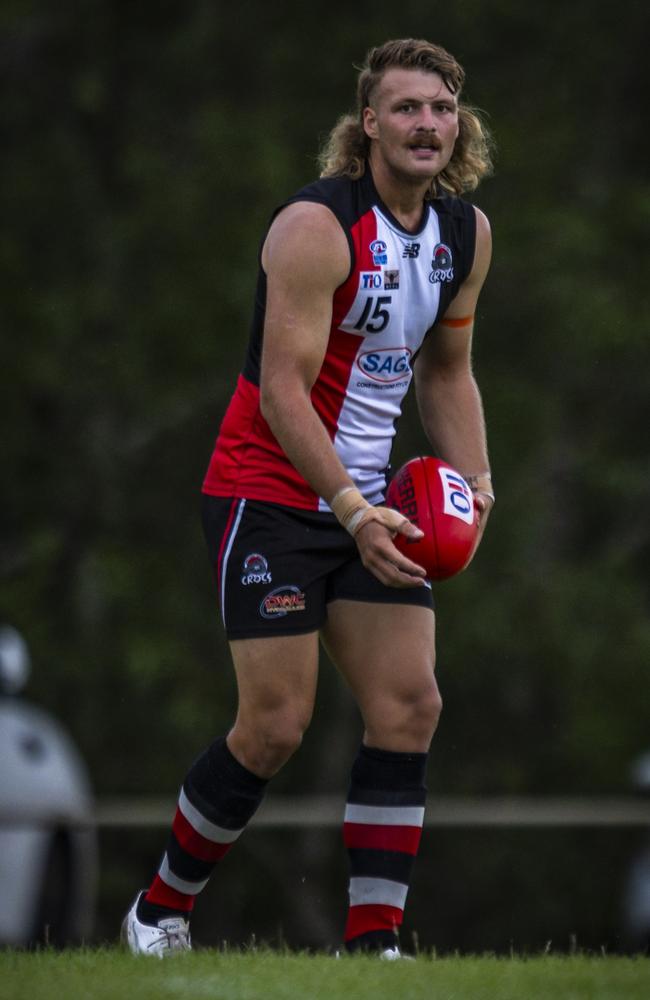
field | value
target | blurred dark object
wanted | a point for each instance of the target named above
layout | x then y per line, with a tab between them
48	846
636	895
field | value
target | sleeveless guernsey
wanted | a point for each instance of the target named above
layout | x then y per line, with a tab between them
400	284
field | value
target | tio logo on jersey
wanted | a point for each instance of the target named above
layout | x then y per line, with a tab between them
374	280
370	279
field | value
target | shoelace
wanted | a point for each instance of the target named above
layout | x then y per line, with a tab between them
178	940
174	940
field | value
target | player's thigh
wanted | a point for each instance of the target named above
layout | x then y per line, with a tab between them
386	652
276	676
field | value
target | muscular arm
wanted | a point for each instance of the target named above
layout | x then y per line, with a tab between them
306	257
448	397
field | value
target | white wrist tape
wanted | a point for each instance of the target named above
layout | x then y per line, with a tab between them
349	506
353	511
481	483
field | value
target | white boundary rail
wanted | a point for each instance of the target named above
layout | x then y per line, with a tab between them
324	811
306	811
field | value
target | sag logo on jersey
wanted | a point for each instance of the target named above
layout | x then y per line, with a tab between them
387	364
442	264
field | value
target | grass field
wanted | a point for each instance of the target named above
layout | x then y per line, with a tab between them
108	974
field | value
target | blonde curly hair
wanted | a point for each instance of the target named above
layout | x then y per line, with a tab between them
346	149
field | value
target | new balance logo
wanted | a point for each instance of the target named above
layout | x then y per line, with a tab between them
411	250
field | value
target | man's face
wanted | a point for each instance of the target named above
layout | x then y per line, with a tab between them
413	124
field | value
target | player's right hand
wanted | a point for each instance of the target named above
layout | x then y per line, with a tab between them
374	538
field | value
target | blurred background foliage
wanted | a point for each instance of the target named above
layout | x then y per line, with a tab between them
144	147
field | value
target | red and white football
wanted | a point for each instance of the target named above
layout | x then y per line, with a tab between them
436	498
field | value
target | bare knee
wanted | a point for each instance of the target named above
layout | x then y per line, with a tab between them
405	721
264	743
276	687
419	714
276	741
431	708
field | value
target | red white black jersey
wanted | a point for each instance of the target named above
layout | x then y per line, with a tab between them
399	285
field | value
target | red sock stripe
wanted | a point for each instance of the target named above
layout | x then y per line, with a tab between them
372	917
194	843
382	838
163	895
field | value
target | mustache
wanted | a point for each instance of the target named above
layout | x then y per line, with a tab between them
428	140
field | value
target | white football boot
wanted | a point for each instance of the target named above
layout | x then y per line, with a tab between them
394	955
169	936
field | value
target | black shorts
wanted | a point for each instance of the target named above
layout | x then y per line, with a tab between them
277	568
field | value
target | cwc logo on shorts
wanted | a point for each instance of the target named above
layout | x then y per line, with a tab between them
282	601
458	499
255	570
442	264
378	249
388	364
